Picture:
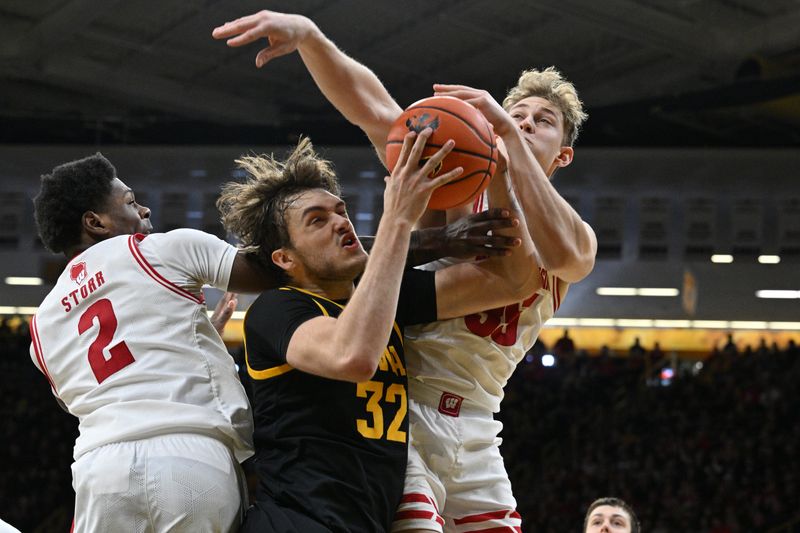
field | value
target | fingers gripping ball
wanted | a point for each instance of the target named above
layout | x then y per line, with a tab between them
475	149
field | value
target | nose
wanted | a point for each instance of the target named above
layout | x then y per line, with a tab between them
341	224
526	124
144	212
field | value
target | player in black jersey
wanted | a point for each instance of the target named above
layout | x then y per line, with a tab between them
329	379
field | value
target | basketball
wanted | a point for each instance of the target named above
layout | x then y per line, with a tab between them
475	149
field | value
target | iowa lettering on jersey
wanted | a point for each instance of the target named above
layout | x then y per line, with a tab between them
73	298
390	360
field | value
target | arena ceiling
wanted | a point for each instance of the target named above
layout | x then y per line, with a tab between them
652	72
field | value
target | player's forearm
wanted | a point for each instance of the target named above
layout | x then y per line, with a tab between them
516	274
565	244
351	87
364	326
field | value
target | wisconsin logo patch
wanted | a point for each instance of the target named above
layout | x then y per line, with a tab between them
450	404
77	272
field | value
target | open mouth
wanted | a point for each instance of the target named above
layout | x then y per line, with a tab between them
349	241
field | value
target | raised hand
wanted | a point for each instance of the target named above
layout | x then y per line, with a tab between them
470	236
223	311
410	186
483	101
284	33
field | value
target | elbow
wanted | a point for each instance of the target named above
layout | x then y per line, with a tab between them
573	268
358	367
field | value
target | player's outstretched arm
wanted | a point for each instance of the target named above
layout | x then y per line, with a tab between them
350	86
470	236
350	347
565	245
498	281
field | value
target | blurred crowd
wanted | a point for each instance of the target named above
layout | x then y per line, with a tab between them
706	447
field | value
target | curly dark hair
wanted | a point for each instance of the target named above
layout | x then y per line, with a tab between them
66	194
254	211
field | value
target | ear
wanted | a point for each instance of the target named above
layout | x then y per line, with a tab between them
94	225
564	156
284	259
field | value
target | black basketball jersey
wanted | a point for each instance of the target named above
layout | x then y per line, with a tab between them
332	450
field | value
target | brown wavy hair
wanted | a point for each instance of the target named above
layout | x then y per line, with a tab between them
255	210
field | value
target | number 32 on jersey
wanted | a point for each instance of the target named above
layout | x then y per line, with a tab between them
378	395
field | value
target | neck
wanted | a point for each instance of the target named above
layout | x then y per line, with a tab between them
330	289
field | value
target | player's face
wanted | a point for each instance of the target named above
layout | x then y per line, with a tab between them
122	215
323	239
608	519
542	127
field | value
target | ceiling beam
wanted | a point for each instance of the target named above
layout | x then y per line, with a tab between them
636	22
147	89
61	25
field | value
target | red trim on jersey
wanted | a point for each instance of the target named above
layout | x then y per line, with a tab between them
133	244
500	529
417	497
556	294
37	350
477	205
483	517
424	515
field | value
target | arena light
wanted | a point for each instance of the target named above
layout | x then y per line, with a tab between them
722	258
558	322
548	360
778	294
236	315
616	291
769	259
22	280
597	322
634	291
711	324
658	291
788	326
16	310
748	324
634	323
672	323
640	323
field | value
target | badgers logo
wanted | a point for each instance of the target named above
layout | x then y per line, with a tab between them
77	272
419	123
450	404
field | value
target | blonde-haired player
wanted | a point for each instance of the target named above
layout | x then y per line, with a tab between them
457	368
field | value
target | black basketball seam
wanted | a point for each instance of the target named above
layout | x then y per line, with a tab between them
474	192
484	141
462	178
467	152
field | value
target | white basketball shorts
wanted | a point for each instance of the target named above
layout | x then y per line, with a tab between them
176	483
455	479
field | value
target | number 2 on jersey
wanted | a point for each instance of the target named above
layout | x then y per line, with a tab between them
120	355
394	392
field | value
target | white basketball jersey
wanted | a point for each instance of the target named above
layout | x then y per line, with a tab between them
474	356
126	344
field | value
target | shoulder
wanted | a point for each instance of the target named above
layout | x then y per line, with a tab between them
182	238
280	304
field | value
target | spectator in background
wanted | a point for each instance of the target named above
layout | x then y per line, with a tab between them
610	515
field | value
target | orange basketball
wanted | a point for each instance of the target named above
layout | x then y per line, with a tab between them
475	149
